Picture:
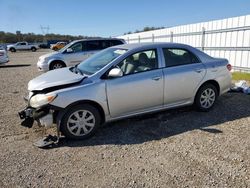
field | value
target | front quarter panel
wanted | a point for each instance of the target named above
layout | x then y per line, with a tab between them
94	91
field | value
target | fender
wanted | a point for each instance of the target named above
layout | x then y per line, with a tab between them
57	59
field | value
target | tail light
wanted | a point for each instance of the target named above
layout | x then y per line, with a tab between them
1	53
229	67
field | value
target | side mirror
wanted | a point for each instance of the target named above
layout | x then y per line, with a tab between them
69	50
115	73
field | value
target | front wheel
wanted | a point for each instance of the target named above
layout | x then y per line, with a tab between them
80	122
56	65
206	97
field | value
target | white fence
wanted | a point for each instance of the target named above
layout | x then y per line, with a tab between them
228	38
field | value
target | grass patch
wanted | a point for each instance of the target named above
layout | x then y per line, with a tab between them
241	76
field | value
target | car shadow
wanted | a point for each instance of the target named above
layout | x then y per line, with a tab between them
156	126
14	66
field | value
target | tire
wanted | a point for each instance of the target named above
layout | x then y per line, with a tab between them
56	65
33	49
12	49
206	97
74	127
55	49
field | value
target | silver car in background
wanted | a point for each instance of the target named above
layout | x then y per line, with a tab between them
74	53
3	56
124	81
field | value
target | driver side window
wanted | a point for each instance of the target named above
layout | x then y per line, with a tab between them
139	62
77	47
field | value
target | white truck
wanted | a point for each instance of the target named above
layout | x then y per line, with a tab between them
22	46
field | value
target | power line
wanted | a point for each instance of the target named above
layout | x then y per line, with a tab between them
45	30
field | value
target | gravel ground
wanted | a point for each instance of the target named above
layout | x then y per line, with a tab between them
176	148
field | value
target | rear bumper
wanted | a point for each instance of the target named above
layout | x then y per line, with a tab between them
3	61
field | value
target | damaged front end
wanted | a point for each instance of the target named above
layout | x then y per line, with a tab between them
38	109
43	116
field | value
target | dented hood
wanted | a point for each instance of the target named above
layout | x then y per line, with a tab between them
54	78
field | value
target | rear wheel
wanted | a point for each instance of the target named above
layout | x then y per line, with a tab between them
57	65
80	122
33	49
55	48
12	49
206	97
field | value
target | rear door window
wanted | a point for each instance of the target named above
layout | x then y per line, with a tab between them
176	57
93	45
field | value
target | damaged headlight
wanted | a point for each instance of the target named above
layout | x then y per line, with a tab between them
41	100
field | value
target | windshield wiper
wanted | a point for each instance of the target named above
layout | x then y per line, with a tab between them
77	70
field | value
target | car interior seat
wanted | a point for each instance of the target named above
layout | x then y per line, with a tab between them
144	63
128	66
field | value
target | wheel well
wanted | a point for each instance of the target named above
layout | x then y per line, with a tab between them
55	61
92	103
213	82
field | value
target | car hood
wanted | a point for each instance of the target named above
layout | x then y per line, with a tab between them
54	78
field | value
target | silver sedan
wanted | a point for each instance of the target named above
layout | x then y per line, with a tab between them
124	81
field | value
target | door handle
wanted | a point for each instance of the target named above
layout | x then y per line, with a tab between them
198	70
156	78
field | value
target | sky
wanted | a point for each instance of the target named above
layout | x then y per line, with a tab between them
107	18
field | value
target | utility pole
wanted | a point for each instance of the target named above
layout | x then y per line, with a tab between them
45	31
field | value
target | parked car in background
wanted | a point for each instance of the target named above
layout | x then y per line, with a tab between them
58	46
22	46
74	53
124	81
43	45
3	56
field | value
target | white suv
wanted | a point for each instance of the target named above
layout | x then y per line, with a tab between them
74	53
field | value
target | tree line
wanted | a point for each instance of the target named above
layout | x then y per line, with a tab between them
7	37
144	29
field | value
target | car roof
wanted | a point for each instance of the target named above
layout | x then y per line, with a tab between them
98	39
141	46
153	45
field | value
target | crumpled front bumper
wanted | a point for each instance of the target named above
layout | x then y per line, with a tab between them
26	116
43	116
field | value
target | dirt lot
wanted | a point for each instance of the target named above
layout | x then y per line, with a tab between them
177	148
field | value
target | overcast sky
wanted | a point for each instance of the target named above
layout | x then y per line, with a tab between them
111	17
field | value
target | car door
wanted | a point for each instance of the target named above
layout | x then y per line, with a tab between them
182	75
23	46
139	89
77	55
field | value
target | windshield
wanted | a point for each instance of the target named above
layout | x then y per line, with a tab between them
99	60
65	47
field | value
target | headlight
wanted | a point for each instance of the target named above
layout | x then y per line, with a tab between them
41	99
41	59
